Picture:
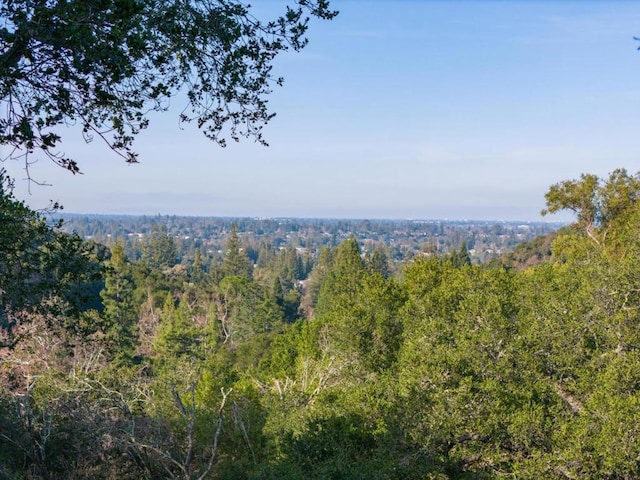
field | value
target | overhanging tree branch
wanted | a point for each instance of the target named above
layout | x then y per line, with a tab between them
107	64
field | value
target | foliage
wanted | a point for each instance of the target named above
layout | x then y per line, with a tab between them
528	254
42	270
105	64
236	262
449	370
120	310
596	202
159	250
378	261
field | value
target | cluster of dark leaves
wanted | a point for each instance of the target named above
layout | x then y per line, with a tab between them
105	64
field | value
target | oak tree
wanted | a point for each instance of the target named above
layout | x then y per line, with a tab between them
596	202
105	64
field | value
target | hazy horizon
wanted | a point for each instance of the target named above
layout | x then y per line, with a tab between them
62	213
398	110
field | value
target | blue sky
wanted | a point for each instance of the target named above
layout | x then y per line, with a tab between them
399	109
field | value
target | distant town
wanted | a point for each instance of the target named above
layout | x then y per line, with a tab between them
404	239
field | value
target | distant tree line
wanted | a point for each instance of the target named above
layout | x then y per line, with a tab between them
403	239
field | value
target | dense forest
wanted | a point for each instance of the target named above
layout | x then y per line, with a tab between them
122	362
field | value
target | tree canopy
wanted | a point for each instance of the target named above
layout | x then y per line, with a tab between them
42	269
440	369
596	202
105	64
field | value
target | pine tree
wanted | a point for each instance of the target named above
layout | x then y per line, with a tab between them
343	277
160	251
460	257
378	261
120	310
315	280
178	336
236	263
266	254
196	271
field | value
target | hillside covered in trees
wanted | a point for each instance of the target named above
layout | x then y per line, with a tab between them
136	360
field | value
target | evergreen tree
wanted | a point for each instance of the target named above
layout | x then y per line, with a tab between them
245	309
459	258
266	254
196	271
120	309
287	269
343	278
378	261
178	336
315	280
42	269
236	263
159	251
